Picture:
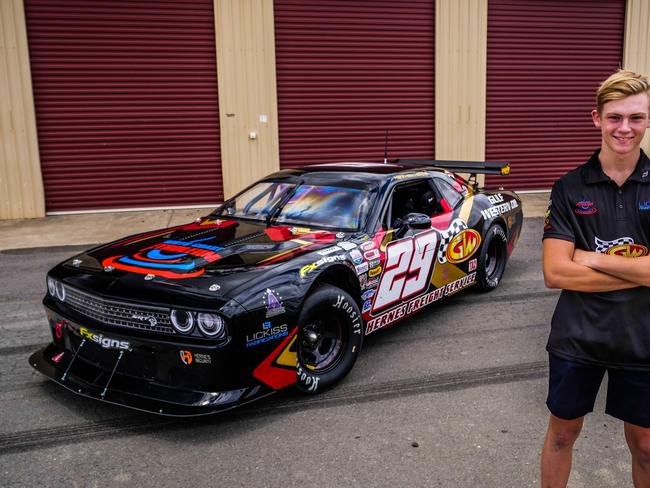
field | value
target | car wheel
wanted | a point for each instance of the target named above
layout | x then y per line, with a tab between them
330	336
492	259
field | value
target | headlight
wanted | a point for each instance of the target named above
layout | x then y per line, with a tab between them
182	321
210	324
51	286
60	290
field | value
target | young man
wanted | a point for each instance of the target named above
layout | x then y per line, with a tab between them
596	241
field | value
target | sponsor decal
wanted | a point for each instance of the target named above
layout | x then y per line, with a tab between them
644	174
214	287
367	295
357	257
268	333
273	303
202	358
371	255
410	175
105	342
361	268
326	259
497	210
463	246
169	259
340	235
76	263
371	283
415	304
367	305
368	245
363	280
145	318
446	236
348	246
472	265
57	357
495	199
585	207
374	272
329	250
408	266
644	206
374	264
297	231
186	357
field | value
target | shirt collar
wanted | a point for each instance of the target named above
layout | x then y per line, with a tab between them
594	171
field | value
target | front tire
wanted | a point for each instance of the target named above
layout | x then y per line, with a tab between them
493	258
330	336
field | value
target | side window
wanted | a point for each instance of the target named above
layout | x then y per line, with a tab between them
451	196
418	197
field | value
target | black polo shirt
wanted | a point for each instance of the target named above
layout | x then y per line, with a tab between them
587	208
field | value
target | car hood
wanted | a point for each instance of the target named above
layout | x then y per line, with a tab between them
200	254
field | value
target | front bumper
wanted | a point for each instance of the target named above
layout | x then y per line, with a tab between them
88	380
165	377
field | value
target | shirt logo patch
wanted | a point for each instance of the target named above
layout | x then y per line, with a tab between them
644	206
628	250
604	246
585	207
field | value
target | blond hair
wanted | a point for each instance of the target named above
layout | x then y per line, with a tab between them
619	85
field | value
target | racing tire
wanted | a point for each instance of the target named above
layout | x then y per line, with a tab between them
330	336
492	259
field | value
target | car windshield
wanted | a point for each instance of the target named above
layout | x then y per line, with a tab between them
308	205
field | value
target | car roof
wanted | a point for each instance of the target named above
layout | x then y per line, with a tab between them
368	173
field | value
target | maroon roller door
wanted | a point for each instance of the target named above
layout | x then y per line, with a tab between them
349	70
545	60
126	102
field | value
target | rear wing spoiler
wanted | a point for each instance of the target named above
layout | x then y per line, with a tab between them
471	167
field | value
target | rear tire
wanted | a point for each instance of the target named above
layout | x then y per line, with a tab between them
492	259
330	336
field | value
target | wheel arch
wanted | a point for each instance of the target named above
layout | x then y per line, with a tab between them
342	277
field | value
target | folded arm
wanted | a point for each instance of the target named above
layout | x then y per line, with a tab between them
561	270
635	270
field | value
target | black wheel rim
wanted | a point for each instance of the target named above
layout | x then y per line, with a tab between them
320	344
494	259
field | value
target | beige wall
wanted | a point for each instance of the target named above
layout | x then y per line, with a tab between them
21	183
461	52
247	91
636	50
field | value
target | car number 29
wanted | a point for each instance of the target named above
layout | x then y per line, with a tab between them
407	268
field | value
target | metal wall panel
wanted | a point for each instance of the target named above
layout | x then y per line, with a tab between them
126	102
349	70
545	60
246	59
21	184
636	55
461	40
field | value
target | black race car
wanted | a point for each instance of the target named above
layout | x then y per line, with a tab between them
277	287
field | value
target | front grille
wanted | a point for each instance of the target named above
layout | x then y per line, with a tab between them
119	314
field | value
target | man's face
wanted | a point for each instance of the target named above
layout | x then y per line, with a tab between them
623	123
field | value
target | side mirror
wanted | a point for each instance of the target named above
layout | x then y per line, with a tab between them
417	221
